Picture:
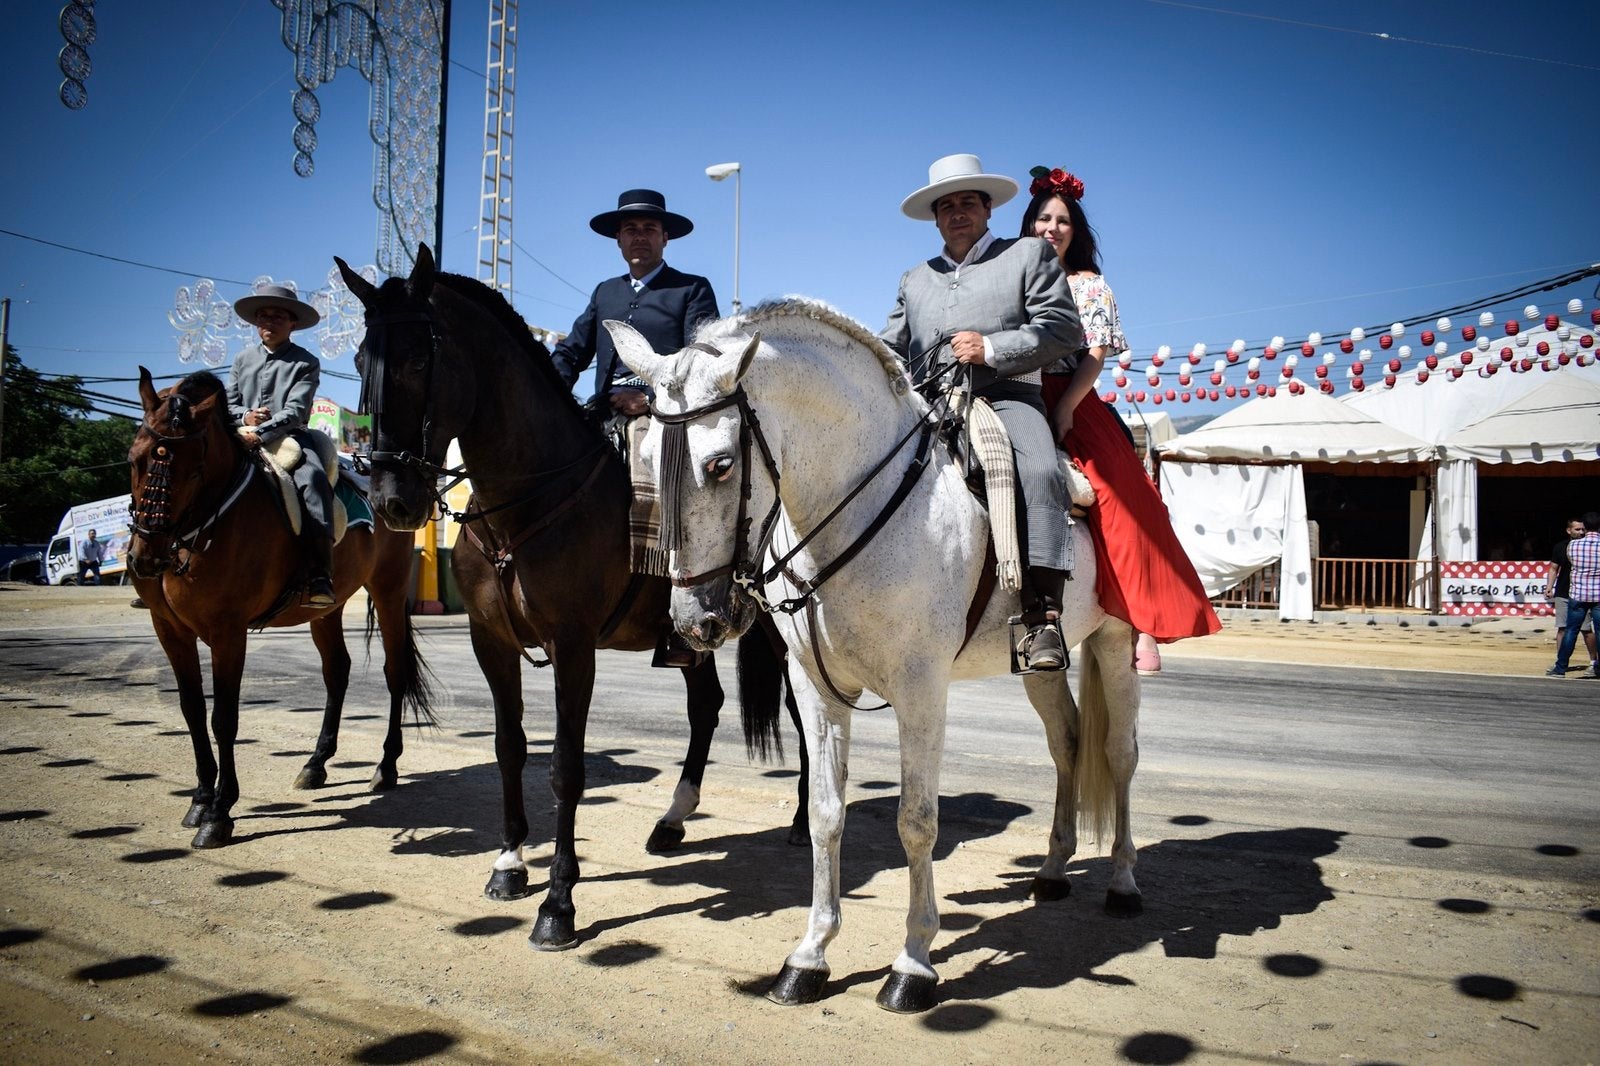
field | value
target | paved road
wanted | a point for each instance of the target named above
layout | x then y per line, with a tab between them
1457	772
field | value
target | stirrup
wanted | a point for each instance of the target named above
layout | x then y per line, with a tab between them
673	654
1018	630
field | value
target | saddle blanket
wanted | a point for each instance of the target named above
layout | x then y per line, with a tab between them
644	512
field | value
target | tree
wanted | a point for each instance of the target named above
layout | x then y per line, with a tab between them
55	454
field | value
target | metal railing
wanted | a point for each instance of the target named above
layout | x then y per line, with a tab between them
1345	584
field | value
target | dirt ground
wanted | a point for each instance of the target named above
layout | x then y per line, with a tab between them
373	943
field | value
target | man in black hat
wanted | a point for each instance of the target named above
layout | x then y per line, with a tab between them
270	390
662	303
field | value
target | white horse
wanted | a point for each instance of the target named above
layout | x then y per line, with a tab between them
832	402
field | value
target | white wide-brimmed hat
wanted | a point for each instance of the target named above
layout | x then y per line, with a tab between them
277	296
957	173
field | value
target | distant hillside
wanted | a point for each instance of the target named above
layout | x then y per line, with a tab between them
1190	423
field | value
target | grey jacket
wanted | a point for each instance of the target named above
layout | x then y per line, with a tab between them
284	382
1016	296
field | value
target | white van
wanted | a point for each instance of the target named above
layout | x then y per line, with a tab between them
109	520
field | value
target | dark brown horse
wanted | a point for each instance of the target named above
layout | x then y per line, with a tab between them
545	562
211	554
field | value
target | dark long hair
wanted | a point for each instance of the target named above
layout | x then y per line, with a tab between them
1084	251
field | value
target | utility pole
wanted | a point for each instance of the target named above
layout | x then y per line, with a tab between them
5	330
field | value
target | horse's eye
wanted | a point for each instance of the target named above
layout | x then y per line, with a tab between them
719	468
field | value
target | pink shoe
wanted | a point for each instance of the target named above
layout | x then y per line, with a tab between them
1147	663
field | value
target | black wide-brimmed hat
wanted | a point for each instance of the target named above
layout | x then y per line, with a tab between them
646	203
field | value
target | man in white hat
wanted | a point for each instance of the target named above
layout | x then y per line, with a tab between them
270	390
1004	309
662	303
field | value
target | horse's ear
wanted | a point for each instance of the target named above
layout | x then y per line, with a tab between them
729	379
147	392
420	284
206	407
635	351
365	291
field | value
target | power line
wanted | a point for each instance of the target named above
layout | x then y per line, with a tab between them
190	274
1374	34
547	270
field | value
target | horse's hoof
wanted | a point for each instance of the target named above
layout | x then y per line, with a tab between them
197	811
1047	889
664	838
1124	904
553	932
507	885
800	834
906	993
217	834
382	781
311	777
794	986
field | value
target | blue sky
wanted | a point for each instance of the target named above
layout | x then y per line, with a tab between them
1252	168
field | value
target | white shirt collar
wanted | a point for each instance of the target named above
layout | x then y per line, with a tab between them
645	281
973	254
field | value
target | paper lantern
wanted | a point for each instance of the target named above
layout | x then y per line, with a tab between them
1328	358
1254	364
1230	392
1398	329
1512	326
1394	366
1525	366
1212	395
1483	344
1308	349
1158	359
1138	397
1486	319
1109	397
1585	359
1466	358
1322	371
1153	377
1405	351
1125	360
1468	332
1455	374
1444	325
1183	396
1295	388
1216	378
1357	368
1291	360
1277	342
1327	387
1531	312
1366	355
1563	358
1156	399
1358	334
1427	337
1551	322
1388	381
1196	355
1432	361
1564	333
1347	346
1522	340
1386	341
1314	338
1288	371
1505	354
1252	374
1172	394
1233	357
1574	306
1183	374
1358	385
1271	391
1594	316
1543	348
1238	345
1587	340
1269	352
1121	381
1441	348
1422	375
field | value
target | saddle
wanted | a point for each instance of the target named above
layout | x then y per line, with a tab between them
283	456
978	443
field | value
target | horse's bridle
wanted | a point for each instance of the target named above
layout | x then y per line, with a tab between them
150	514
744	566
371	402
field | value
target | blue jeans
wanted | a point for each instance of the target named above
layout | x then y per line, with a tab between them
1576	612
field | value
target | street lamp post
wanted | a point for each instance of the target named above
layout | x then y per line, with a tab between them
716	173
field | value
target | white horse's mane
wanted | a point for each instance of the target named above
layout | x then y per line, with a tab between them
770	316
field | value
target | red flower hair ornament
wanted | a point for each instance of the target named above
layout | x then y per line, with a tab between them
1056	182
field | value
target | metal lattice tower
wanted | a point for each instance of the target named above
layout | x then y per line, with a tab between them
500	87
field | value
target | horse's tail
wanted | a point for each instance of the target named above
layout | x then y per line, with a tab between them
761	681
416	676
1096	788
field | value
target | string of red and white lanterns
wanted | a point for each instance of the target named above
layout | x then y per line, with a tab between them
1571	346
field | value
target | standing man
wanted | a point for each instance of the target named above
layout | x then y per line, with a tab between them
91	553
662	303
270	390
1584	592
1556	589
1004	309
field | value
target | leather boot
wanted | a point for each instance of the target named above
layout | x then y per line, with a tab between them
1042	647
319	583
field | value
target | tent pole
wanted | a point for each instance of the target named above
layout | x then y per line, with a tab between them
1433	580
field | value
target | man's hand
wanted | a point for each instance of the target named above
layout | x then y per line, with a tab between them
256	415
630	402
250	438
968	347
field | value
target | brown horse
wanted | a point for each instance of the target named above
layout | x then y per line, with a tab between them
213	557
546	561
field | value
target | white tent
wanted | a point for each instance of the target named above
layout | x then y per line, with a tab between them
1559	422
1235	488
1439	409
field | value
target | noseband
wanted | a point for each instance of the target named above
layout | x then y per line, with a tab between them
150	514
371	402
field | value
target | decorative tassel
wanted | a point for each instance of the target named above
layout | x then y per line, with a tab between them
674	466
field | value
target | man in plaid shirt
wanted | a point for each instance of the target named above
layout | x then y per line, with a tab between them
1583	594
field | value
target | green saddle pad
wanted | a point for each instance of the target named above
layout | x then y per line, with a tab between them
356	508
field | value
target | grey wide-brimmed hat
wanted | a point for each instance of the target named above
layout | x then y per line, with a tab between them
957	173
277	296
641	202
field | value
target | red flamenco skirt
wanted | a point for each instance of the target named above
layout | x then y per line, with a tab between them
1145	577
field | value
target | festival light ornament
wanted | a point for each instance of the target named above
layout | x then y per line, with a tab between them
1574	306
1405	351
1427	337
1314	339
1512	327
1444	325
1398	329
1386	341
1358	335
1531	312
1486	319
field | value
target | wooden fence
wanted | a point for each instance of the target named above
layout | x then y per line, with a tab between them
1345	584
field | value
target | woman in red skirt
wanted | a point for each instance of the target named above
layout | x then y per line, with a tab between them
1145	579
